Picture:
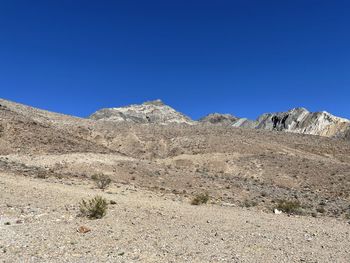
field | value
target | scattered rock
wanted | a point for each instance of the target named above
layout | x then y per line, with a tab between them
277	212
83	229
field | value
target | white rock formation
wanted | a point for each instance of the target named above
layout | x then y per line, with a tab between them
300	120
148	112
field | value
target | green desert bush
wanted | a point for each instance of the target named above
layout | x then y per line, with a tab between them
289	206
199	199
94	208
102	181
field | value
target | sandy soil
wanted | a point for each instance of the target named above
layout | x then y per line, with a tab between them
146	227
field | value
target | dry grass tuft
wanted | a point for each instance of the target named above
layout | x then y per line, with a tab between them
94	208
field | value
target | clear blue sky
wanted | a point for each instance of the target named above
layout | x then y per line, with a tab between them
242	57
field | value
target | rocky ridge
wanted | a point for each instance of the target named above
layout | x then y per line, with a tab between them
297	120
300	120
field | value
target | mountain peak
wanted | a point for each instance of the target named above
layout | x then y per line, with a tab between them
148	112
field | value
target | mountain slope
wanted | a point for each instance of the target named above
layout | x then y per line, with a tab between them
29	130
218	119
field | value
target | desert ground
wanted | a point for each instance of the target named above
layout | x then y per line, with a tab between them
48	161
145	226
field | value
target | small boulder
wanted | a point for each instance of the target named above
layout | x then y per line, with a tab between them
83	229
277	212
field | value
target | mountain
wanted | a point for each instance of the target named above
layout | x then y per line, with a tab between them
300	120
148	112
297	120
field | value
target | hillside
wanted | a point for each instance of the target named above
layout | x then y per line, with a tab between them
48	160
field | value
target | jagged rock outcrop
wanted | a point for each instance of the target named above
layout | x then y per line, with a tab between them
219	119
300	120
149	112
297	120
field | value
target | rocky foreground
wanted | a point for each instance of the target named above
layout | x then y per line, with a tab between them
39	223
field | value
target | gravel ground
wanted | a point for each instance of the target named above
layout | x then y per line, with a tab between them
38	223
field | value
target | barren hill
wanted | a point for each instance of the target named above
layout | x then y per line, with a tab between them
47	162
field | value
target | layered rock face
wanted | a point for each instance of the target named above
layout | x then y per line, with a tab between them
149	112
300	120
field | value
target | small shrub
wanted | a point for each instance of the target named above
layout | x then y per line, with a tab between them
94	208
320	209
41	175
347	215
199	199
263	194
249	203
2	128
289	207
102	181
